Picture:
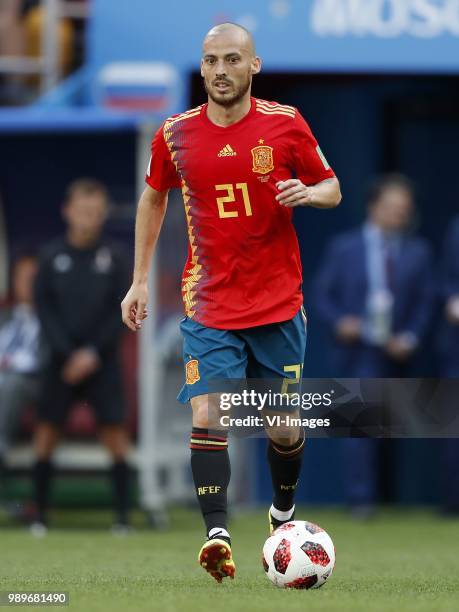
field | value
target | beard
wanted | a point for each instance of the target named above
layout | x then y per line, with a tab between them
230	98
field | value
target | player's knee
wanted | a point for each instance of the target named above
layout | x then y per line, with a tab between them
201	416
46	438
206	411
115	440
284	436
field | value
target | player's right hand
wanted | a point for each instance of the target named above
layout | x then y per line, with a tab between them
134	306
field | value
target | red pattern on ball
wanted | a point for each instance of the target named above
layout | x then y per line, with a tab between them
282	556
316	553
312	527
285	527
302	583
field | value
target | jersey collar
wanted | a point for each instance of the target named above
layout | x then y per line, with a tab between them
230	128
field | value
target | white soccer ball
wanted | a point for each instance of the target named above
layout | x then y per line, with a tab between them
299	555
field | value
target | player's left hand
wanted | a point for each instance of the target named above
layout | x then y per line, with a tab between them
294	193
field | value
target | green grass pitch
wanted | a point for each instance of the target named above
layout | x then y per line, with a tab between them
403	560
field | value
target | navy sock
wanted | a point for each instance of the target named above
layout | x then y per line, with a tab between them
42	474
211	470
285	465
120	482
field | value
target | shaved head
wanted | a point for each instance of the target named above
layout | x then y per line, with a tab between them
236	32
228	64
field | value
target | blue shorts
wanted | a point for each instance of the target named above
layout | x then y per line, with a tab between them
274	351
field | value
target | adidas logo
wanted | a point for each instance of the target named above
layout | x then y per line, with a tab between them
227	151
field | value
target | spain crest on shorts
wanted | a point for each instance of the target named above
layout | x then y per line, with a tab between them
262	158
192	371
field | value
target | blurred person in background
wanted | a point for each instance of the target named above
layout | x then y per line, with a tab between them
20	356
10	28
11	45
448	345
22	28
4	272
33	13
374	290
80	283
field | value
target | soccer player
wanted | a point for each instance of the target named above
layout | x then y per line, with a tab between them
234	159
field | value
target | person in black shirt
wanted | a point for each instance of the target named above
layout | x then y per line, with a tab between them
80	282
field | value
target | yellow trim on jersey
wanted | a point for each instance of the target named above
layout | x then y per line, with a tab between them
192	276
274	109
181	117
275	105
276	112
187	112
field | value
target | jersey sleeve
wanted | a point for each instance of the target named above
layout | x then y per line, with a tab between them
308	161
161	173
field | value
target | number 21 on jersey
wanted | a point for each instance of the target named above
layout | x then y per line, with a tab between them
229	197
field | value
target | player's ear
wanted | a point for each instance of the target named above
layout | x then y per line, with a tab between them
256	65
202	63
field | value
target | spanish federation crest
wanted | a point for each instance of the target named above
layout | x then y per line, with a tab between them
262	158
192	372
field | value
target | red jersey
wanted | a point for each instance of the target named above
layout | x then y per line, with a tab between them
243	267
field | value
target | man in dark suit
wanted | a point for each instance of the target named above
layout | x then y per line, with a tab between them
448	345
374	290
